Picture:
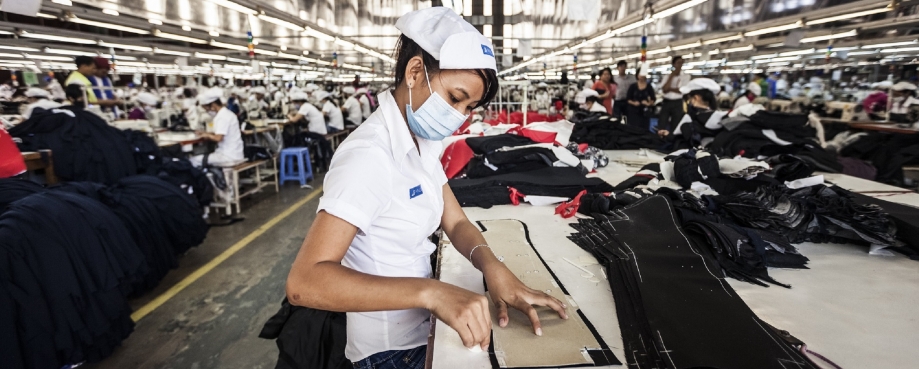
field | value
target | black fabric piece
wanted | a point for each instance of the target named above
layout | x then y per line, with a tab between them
815	214
147	154
642	177
182	174
905	217
787	167
687	168
607	134
725	185
674	308
308	338
12	189
888	153
256	153
554	181
68	264
858	168
781	121
486	144
511	161
85	147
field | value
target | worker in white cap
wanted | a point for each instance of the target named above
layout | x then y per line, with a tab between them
640	97
589	100
701	103
256	106
363	97
542	99
332	114
144	105
302	109
367	252
38	99
904	96
753	91
352	107
223	129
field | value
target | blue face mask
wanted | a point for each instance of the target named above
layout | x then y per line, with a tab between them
436	119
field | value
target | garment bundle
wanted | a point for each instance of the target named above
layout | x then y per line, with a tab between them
70	255
603	132
674	308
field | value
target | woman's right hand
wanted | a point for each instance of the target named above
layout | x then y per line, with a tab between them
464	311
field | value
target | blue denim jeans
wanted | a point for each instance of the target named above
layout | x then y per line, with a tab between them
396	359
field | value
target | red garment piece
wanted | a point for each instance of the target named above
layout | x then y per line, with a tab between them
570	208
455	158
536	136
11	163
516	196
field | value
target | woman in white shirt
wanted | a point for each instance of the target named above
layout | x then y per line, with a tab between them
352	106
315	121
367	252
223	129
38	99
331	112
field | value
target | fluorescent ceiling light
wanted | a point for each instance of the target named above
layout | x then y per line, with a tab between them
317	34
213	33
229	46
157	50
890	44
899	50
265	52
280	22
108	25
773	29
48	57
111	12
63	2
48	16
799	52
283	47
3	55
172	36
42	36
847	16
210	56
687	46
742	62
722	39
737	49
233	6
18	48
346	44
785	59
156	22
288	56
186	28
126	47
765	56
830	37
676	9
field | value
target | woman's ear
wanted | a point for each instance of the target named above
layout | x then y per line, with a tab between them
413	71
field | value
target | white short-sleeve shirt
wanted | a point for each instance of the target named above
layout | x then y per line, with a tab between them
380	183
355	114
336	120
225	123
676	82
314	117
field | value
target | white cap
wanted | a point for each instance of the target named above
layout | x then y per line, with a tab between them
258	90
209	96
902	86
310	87
582	96
36	92
347	90
542	84
321	94
299	96
701	84
755	88
448	38
645	67
146	98
362	90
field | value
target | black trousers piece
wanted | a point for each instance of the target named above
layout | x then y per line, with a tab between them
671	114
674	307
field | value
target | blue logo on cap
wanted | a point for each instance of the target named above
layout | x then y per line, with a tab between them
487	51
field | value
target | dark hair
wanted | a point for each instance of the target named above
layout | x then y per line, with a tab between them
622	63
675	58
593	99
406	49
707	95
84	60
610	71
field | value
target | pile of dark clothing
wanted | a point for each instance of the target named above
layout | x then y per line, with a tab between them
308	338
507	165
888	152
603	132
71	256
672	303
86	148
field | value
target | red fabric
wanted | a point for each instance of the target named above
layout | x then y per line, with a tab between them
11	162
570	208
516	196
464	126
875	102
536	136
582	147
455	158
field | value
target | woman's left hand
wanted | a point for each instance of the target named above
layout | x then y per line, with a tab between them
506	290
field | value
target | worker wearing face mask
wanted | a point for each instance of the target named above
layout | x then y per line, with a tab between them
589	100
38	99
904	95
145	104
223	129
331	112
303	109
255	105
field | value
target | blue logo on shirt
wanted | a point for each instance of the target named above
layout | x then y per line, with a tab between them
487	51
415	192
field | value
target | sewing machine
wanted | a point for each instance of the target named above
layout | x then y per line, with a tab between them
850	111
137	125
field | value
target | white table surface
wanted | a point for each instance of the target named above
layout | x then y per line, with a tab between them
854	308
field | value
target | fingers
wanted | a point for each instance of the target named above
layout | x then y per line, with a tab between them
484	320
552	302
502	313
466	336
534	319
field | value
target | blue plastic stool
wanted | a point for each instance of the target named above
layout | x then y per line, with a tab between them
304	169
